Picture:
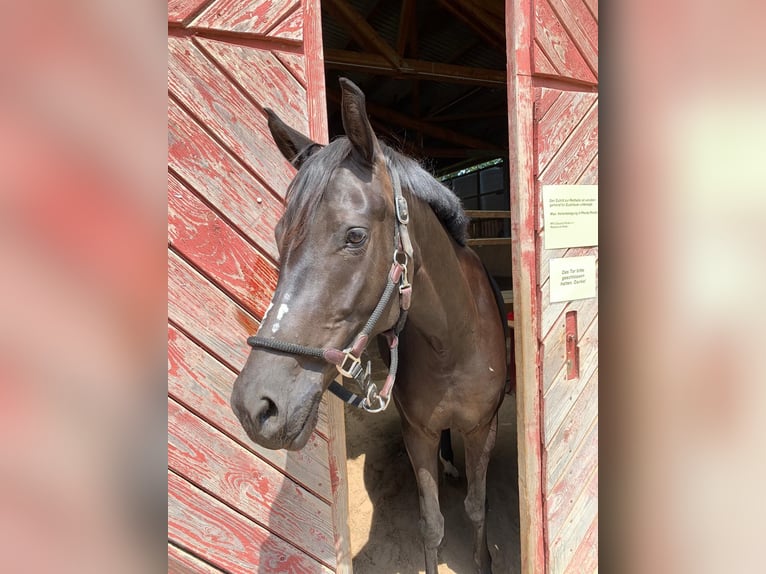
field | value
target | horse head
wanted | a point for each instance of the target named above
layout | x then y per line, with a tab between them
335	242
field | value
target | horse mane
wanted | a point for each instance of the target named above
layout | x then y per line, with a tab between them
307	189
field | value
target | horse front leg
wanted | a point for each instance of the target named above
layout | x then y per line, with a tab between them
478	447
422	450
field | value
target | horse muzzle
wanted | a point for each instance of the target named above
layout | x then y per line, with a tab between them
277	416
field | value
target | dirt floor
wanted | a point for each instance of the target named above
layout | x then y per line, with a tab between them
383	501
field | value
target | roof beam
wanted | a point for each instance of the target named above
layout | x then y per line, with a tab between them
415	69
358	27
491	29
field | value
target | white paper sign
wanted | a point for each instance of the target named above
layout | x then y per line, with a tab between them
570	216
573	278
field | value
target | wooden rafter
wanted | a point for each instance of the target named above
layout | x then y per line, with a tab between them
488	27
362	32
406	26
437	132
417	69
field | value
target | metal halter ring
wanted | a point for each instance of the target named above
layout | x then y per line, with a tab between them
372	395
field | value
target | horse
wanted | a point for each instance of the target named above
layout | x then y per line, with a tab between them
362	219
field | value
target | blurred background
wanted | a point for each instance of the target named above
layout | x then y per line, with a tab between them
83	307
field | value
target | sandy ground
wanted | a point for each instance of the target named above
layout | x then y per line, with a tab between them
383	501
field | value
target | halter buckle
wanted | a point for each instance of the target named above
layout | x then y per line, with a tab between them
402	210
351	366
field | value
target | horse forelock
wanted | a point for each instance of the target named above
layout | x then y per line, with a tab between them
307	189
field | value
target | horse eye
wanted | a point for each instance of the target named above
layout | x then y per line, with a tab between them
356	236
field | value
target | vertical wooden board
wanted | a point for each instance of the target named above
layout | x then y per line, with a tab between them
205	239
218	465
221	180
295	64
576	153
558	46
563	547
561	498
562	393
553	130
199	308
585	558
291	28
226	112
180	562
202	384
572	431
339	479
246	17
581	27
226	538
265	78
181	10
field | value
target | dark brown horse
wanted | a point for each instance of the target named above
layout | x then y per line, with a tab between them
361	220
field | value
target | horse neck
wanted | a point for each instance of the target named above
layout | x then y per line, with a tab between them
438	284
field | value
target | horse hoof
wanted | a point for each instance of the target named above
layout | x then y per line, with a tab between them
449	468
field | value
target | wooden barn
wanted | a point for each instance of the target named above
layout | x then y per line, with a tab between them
511	86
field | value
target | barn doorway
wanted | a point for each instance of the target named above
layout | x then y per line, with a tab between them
434	76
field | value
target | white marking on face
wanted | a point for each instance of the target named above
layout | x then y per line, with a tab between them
491	370
283	309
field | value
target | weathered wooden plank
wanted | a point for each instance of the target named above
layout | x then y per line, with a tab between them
220	466
181	10
572	431
199	308
291	28
252	17
558	46
561	393
554	344
226	538
590	175
581	27
577	151
265	78
544	99
543	64
224	110
559	122
221	180
201	383
593	8
561	498
295	64
585	558
526	301
339	479
212	245
563	546
180	562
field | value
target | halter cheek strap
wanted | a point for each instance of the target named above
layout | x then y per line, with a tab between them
348	361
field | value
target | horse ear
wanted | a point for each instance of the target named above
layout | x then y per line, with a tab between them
296	147
355	122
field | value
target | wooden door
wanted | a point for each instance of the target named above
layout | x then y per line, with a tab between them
232	505
553	131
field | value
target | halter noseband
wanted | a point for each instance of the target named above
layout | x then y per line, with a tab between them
348	361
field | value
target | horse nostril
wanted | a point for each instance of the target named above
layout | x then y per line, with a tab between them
266	410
